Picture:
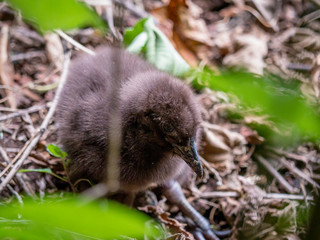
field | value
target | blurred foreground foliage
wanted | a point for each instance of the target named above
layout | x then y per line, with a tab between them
48	15
73	218
292	117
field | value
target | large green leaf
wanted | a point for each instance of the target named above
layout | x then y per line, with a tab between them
282	101
146	38
57	14
72	217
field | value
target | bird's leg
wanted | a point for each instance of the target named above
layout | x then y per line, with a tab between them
129	199
173	192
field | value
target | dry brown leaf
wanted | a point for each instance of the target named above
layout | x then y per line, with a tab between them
219	147
54	49
190	34
252	50
166	26
260	120
232	139
171	223
251	136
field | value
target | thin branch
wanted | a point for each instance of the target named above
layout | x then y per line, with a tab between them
219	194
293	156
43	126
22	183
291	167
18	113
212	170
18	155
287	196
74	42
234	194
15	193
133	8
275	174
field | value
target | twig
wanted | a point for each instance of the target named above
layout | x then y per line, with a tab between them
22	112
295	170
289	155
74	43
4	155
132	8
287	196
107	4
234	194
25	186
219	194
28	55
15	193
18	175
6	68
212	170
43	126
17	156
275	173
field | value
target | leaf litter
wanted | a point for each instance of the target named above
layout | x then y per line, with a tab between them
261	36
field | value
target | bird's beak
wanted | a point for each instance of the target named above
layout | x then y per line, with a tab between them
190	155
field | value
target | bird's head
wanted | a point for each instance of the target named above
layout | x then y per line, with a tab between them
166	109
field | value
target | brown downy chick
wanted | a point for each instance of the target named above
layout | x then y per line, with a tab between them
159	115
159	121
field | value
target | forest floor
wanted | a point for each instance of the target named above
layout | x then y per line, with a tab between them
258	190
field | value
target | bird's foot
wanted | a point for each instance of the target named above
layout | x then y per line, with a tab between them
173	192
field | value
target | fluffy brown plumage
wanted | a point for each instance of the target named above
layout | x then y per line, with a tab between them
159	118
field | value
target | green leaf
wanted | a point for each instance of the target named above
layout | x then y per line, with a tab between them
73	217
131	33
282	101
147	39
43	170
57	14
54	150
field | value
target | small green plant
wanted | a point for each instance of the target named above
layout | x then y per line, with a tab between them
55	151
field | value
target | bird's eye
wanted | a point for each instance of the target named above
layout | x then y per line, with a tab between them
168	127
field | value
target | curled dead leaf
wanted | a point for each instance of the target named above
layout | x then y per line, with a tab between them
219	146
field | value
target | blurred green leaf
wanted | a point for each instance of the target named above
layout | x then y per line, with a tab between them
57	14
73	217
43	170
146	38
55	151
267	95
